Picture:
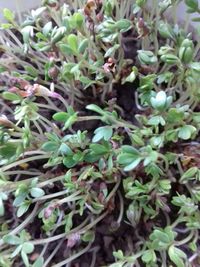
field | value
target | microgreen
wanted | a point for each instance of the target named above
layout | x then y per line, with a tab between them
99	135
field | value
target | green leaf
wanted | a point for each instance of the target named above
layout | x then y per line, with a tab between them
176	256
23	208
79	19
60	116
6	26
70	121
38	12
27	32
69	162
133	165
66	49
123	25
192	4
37	192
82	46
57	34
129	157
197	19
152	157
149	256
147	57
156	120
137	139
86	81
19	199
110	52
64	149
102	133
28	247
130	149
68	222
25	258
99	149
11	96
195	66
164	77
88	236
39	262
95	108
8	150
31	71
189	174
50	146
11	239
186	132
8	14
157	141
131	77
73	42
174	115
159	101
118	254
47	28
165	30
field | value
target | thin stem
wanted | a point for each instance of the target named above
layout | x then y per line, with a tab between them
22	173
94	256
38	127
53	253
23	224
55	195
185	240
19	162
113	190
64	200
70	259
48	107
33	152
57	237
89	226
121	213
13	36
180	219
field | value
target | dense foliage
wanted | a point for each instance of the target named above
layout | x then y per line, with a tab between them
99	135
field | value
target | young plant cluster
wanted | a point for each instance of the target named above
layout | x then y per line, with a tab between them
99	135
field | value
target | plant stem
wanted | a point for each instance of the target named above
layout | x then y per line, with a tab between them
61	201
70	259
57	237
22	173
19	162
185	240
53	253
20	227
120	217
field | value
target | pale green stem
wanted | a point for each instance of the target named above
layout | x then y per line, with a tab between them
75	256
20	227
46	106
53	253
57	237
61	201
113	191
121	213
185	240
38	128
22	173
19	162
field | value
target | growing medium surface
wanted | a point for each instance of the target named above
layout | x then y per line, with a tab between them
99	136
